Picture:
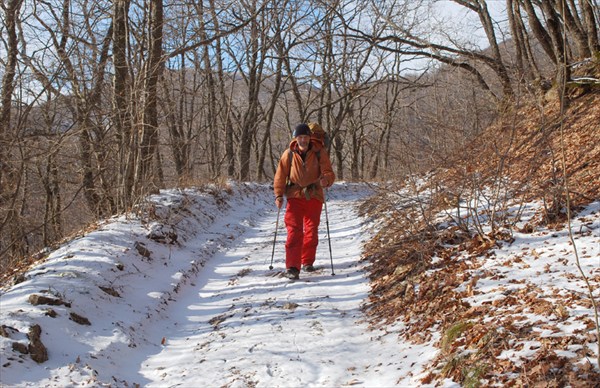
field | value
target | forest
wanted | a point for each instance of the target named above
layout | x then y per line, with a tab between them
103	103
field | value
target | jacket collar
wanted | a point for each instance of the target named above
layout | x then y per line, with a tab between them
315	145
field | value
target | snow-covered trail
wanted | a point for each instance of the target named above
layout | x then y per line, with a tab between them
244	325
205	311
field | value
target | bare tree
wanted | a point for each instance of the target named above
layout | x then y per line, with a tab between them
253	47
590	24
11	11
526	67
147	177
282	22
391	95
77	62
563	25
122	104
10	178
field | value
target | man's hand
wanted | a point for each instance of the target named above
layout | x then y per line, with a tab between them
279	202
323	182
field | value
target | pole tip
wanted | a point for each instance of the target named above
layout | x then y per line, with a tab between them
270	267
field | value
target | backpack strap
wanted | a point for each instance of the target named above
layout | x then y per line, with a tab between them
291	158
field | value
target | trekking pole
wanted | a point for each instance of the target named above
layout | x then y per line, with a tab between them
328	235
275	238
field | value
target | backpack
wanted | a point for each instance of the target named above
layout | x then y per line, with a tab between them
318	133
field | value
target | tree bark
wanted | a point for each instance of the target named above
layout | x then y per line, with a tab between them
555	30
591	25
122	106
255	54
497	63
571	22
11	239
539	31
147	179
527	70
11	11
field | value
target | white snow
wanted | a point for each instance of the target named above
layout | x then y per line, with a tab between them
204	310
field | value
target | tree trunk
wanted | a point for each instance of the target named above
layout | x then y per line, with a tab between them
497	64
556	35
11	11
257	46
527	70
539	31
282	52
210	104
175	120
270	113
571	21
223	97
147	179
591	25
122	106
52	216
11	240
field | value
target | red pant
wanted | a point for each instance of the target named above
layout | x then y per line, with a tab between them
302	219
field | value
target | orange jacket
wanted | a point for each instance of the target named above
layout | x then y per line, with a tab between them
304	175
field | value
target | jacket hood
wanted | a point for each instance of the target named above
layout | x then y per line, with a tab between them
315	145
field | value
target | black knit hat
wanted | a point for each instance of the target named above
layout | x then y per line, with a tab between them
301	129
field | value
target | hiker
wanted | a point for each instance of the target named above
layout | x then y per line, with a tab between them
304	170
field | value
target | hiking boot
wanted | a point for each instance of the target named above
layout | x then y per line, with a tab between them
292	273
309	268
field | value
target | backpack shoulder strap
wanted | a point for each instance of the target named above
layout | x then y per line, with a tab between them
290	159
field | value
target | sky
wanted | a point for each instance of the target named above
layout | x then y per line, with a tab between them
447	18
182	296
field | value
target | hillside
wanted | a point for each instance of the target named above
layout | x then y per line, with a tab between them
477	258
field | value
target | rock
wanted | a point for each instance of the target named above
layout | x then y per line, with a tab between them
79	319
142	250
6	330
110	291
37	350
37	300
20	278
19	347
290	305
160	235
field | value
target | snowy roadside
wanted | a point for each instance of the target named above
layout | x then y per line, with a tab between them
187	299
509	307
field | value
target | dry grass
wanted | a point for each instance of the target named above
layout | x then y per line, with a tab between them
525	148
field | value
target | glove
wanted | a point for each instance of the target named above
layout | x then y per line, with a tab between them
279	202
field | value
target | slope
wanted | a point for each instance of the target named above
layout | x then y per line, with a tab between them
479	258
